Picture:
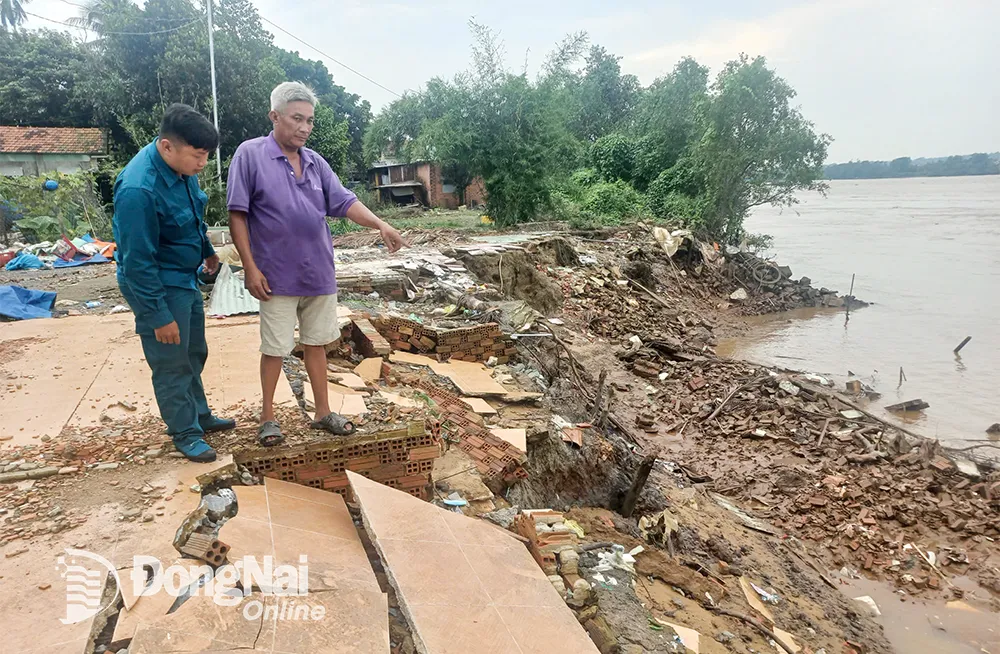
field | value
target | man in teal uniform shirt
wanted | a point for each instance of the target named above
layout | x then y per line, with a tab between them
162	241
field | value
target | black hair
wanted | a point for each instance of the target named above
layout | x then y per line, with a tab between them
184	123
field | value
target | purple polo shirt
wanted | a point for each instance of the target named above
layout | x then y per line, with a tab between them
289	237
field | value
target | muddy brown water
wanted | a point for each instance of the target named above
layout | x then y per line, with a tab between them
926	252
914	626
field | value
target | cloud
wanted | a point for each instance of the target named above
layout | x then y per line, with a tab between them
771	36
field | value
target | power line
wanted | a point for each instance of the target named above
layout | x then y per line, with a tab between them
172	29
339	63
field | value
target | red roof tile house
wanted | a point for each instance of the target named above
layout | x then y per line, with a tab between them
38	150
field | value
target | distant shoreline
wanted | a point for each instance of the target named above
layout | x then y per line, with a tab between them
986	174
980	163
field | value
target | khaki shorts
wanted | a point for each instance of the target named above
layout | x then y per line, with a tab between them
317	318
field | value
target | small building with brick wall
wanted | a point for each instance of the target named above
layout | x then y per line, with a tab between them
421	182
35	151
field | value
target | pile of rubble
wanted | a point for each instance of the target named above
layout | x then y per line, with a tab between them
725	475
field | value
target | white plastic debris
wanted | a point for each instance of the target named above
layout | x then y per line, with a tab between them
822	381
120	308
870	604
739	295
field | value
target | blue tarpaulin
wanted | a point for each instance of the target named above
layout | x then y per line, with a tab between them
24	261
23	304
80	260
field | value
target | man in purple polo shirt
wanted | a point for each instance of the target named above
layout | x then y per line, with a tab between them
280	193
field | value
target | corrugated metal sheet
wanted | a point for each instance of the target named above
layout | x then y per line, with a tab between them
229	297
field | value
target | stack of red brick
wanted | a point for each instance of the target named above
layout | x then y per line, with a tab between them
389	284
400	458
477	343
495	458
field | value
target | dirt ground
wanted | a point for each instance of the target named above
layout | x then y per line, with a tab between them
74	287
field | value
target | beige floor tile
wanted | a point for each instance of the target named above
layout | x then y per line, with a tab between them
148	609
480	405
325	519
199	623
125	377
353	622
476	531
247	537
511	577
343	561
252	502
351	405
78	646
432	573
370	369
394	515
516	437
278	487
540	630
151	639
445	630
61	360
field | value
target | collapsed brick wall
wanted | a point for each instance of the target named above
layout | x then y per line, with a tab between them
477	343
388	284
495	458
399	458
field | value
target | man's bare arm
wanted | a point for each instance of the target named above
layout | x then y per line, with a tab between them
361	215
254	281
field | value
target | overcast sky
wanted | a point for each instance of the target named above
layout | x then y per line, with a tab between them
885	78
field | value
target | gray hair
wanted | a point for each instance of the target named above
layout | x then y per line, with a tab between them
291	92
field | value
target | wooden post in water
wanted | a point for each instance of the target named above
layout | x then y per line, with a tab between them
963	344
847	302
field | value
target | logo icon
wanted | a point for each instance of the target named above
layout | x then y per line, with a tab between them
85	584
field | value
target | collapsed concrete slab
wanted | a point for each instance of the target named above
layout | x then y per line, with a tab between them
463	584
338	606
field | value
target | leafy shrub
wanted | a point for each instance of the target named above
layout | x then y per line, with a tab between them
583	178
73	208
614	157
614	201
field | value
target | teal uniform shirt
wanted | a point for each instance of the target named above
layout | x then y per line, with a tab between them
160	234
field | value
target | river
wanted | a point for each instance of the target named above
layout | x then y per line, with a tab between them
926	253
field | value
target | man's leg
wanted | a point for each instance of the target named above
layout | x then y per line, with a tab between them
315	360
174	376
198	354
277	339
318	328
270	373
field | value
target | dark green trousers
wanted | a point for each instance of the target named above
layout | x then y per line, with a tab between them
177	369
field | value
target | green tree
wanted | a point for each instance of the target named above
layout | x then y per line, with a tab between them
11	14
330	138
757	148
669	119
40	80
607	99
